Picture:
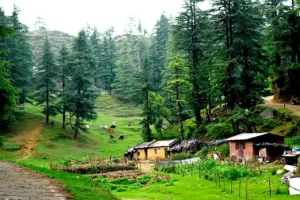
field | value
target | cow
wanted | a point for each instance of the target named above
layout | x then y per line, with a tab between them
113	125
121	137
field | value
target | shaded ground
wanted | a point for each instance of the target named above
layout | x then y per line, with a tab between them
269	103
19	183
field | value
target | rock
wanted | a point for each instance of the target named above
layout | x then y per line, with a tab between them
285	178
279	171
268	113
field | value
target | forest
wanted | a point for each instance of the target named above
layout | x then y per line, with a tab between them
228	56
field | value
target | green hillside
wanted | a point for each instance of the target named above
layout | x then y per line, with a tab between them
54	143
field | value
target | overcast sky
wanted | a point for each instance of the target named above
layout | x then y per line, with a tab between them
72	15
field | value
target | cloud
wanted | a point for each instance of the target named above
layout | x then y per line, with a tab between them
72	15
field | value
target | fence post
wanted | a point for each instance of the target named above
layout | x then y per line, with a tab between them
270	191
240	188
216	178
247	188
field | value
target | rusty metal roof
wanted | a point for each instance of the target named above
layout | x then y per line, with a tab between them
143	145
246	136
164	143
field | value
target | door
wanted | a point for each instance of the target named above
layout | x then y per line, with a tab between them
146	154
241	150
166	153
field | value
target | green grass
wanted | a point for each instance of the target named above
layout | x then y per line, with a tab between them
194	188
55	143
79	186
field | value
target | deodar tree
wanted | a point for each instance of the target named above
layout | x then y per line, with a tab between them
46	89
82	92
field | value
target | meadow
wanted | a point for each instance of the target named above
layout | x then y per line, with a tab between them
53	144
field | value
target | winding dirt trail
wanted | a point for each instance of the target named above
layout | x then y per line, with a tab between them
269	103
18	183
30	141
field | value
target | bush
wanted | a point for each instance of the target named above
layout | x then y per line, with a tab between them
220	131
202	153
292	141
223	150
181	156
2	140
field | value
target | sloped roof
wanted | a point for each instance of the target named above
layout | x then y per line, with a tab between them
143	145
246	136
163	143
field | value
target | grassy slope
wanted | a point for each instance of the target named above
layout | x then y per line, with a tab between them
54	143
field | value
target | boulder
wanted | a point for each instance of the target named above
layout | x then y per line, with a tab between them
268	113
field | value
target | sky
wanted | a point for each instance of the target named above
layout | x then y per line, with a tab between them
71	16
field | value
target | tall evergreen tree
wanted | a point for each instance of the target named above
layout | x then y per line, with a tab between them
188	42
8	93
177	85
64	63
158	51
46	82
82	91
20	57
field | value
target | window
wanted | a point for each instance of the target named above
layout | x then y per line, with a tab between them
239	145
155	151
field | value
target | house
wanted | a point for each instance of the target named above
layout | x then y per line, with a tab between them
157	150
251	145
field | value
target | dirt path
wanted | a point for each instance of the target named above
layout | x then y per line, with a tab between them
29	138
269	103
18	183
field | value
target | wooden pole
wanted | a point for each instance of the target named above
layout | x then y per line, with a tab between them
270	191
240	188
247	188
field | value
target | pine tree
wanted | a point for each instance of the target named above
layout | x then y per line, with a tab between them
19	56
46	82
177	85
64	63
188	42
8	93
158	52
82	91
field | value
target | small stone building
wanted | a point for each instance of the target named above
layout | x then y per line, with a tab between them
158	150
251	145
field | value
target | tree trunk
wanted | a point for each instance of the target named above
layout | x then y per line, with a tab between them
47	107
64	107
148	131
77	124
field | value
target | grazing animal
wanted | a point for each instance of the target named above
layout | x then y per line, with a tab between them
110	129
113	126
121	137
129	123
87	126
111	137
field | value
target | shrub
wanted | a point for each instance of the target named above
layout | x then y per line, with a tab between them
223	150
220	130
1	142
181	156
292	141
202	153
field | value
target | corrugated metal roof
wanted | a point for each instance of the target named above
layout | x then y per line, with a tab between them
143	145
245	136
163	143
